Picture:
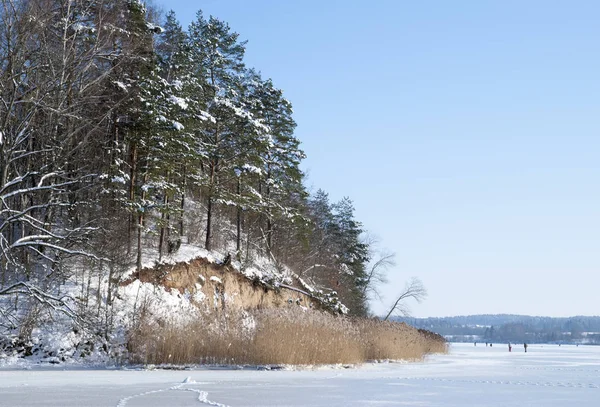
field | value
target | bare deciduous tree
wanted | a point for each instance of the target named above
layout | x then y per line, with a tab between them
413	289
56	58
376	274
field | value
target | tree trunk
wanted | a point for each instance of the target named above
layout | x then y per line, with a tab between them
164	219
139	241
209	205
182	207
209	213
269	220
269	233
132	180
181	217
140	226
238	241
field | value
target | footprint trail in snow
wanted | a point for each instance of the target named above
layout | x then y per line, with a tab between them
202	395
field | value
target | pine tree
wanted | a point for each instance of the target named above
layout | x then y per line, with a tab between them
338	256
189	93
320	257
352	257
113	128
282	175
217	57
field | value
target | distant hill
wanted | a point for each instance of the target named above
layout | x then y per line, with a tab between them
512	328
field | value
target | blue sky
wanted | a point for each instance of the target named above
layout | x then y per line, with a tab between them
465	132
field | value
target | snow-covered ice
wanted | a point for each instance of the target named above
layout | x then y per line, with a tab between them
547	376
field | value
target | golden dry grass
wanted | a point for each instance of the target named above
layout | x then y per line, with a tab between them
280	336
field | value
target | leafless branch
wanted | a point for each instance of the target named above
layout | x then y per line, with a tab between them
413	289
375	275
56	303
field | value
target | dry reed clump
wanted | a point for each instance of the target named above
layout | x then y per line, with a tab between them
215	340
435	342
390	340
397	341
280	336
293	336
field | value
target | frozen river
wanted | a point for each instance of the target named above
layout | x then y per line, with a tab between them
469	376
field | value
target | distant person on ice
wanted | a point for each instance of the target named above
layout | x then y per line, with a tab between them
525	346
509	347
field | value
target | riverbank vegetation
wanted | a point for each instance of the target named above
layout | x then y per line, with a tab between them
125	138
282	336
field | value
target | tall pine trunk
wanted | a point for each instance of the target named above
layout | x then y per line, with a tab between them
238	241
140	227
164	221
209	213
182	205
214	167
209	208
269	219
132	181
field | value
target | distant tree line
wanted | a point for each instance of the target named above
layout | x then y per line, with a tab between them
122	132
513	328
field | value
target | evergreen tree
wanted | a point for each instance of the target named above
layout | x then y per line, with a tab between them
352	256
137	68
282	175
189	93
113	128
216	55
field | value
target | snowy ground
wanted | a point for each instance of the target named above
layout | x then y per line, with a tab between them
469	376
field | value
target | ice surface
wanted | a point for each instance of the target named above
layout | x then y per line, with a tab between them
547	376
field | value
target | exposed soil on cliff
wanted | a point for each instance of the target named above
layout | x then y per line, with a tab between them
217	287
